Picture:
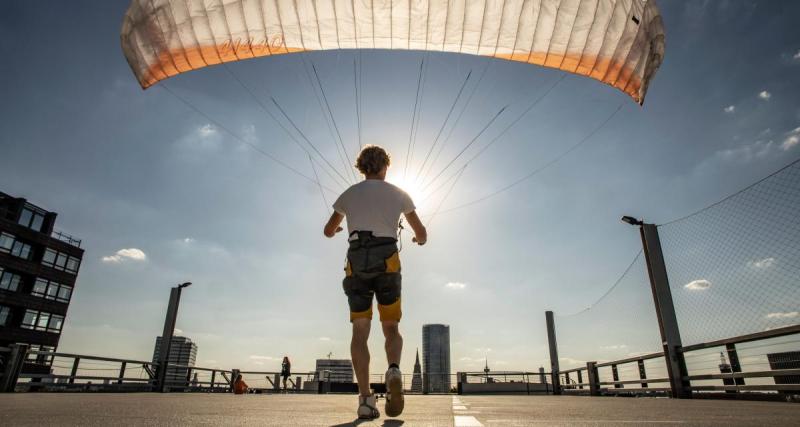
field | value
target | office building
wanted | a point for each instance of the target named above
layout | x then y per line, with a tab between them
334	370
182	352
38	270
436	358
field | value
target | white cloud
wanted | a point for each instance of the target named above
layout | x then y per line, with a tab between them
259	357
762	263
126	254
783	315
764	95
698	285
729	109
455	285
796	56
746	153
614	347
177	331
792	139
324	339
188	240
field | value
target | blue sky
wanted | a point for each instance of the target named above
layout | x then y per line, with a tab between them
132	169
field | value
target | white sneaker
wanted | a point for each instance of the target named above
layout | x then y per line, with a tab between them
394	392
368	407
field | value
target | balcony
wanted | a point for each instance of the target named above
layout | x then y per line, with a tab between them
66	238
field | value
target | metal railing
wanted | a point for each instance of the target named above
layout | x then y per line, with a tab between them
588	379
66	238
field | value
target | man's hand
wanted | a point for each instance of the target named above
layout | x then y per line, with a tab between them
420	234
332	227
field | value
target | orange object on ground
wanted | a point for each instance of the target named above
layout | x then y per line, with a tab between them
240	387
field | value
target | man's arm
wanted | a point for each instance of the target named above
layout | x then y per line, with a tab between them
420	233
332	227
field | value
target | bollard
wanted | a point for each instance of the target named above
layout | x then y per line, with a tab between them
594	379
277	382
14	363
298	384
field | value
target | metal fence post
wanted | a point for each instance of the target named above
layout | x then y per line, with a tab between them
551	340
665	311
615	375
642	372
74	371
121	372
166	338
593	378
733	358
13	368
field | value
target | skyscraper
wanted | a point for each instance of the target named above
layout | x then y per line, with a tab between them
416	380
436	358
182	352
38	269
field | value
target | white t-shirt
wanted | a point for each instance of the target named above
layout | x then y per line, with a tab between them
374	205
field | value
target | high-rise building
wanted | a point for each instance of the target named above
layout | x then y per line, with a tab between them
38	269
182	352
334	370
416	379
436	358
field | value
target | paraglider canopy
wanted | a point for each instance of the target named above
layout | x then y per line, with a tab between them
618	42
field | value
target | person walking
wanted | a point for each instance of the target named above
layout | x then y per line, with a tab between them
372	208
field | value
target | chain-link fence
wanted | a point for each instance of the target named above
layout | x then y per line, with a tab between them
734	267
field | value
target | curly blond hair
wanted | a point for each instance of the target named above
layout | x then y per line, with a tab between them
372	159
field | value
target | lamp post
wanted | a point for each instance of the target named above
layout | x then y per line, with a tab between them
166	336
665	310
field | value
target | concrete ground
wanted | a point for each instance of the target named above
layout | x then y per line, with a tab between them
89	409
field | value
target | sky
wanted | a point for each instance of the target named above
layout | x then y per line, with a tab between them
160	194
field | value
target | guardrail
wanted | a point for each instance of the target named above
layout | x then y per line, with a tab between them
587	380
66	238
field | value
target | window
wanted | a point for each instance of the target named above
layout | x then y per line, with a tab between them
73	264
51	290
49	258
61	261
5	315
22	250
6	242
9	281
29	321
31	218
42	321
41	359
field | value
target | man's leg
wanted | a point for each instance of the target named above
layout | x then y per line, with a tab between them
359	352
394	341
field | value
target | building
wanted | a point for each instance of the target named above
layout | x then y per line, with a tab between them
38	269
182	352
416	379
436	358
334	370
786	360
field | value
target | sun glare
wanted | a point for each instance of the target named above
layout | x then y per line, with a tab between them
412	186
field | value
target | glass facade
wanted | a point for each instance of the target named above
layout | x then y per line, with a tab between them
40	359
52	290
31	218
61	261
10	244
5	315
9	281
42	321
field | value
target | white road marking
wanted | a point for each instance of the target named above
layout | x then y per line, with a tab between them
466	421
459	408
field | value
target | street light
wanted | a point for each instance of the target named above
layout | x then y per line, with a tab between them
631	220
166	336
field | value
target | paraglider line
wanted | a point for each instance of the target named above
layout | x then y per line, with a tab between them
314	147
322	193
458	119
607	292
413	117
444	124
441	202
507	128
240	139
272	116
540	169
499	113
330	112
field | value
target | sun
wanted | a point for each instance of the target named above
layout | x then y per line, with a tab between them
411	185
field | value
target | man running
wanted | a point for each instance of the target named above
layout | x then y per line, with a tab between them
372	208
